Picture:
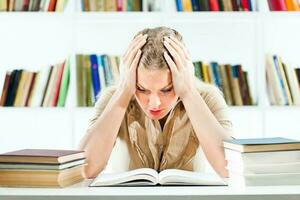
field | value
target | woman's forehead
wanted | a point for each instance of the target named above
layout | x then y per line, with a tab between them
149	78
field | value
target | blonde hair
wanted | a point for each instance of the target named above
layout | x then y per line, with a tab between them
153	51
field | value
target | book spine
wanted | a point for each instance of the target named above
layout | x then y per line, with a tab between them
95	75
225	85
64	85
58	84
204	5
52	5
195	5
5	88
277	5
179	5
245	5
221	5
277	67
31	89
215	66
101	72
213	5
234	5
79	79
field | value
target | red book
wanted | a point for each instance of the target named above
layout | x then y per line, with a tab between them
277	5
119	5
25	5
5	88
52	5
57	85
214	5
245	5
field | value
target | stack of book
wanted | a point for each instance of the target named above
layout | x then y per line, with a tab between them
41	168
263	161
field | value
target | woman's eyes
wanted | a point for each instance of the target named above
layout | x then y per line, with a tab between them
168	90
142	90
163	91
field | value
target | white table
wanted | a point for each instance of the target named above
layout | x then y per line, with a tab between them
82	191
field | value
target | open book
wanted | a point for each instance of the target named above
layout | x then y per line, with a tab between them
147	176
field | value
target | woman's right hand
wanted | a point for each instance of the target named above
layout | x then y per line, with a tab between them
128	65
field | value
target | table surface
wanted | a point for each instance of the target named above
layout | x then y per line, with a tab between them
80	190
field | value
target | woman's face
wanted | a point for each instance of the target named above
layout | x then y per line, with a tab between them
154	92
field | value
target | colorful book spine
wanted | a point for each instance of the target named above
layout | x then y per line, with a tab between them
95	75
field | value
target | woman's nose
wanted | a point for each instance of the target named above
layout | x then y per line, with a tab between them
154	101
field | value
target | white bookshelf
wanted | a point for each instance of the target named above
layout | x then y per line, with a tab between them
34	40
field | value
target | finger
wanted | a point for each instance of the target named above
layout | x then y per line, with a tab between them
182	46
174	54
134	43
171	63
136	60
134	51
176	47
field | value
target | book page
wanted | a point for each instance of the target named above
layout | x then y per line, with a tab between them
142	176
182	177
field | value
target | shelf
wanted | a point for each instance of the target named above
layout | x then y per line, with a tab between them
132	17
109	17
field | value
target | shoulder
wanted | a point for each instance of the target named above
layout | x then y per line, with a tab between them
211	94
215	101
103	98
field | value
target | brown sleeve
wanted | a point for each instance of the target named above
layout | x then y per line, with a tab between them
101	103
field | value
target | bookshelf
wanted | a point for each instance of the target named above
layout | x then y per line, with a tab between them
33	40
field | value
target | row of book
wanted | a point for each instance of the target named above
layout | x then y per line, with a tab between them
284	5
231	80
214	5
263	162
48	87
41	168
94	72
120	5
283	82
33	5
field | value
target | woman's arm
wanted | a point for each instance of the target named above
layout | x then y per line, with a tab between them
209	131
101	136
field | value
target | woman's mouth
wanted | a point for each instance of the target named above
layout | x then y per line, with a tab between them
155	112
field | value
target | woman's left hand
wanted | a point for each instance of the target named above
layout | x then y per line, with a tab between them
181	66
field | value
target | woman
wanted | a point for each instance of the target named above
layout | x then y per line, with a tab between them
159	110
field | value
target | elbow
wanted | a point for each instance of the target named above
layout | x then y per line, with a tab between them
90	172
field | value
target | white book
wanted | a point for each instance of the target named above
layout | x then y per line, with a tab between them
271	157
264	168
274	82
262	6
40	84
293	83
148	176
240	181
